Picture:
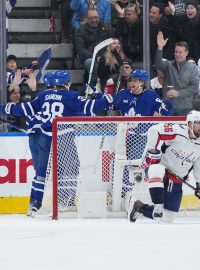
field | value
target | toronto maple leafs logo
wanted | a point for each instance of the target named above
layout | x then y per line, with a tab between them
131	112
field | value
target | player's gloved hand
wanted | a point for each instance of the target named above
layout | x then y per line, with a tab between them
153	156
113	99
197	191
88	89
96	95
7	108
109	98
166	108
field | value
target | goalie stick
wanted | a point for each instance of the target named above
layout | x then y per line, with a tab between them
13	126
100	46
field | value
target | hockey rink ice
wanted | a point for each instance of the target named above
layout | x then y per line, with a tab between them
97	244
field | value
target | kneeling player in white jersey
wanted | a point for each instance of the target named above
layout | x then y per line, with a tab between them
174	150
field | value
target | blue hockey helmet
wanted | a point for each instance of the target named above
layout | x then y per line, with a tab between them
139	74
49	79
62	78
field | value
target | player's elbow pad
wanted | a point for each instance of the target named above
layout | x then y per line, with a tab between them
7	109
153	157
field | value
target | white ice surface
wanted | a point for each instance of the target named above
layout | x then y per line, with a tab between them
99	244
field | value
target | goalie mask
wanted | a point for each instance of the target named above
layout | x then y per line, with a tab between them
193	122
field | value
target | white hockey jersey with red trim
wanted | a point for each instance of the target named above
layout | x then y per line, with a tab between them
179	153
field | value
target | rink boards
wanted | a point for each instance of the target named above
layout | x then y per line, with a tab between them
16	170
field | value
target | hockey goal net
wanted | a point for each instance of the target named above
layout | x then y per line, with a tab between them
94	156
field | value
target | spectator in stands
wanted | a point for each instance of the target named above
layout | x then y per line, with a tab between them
81	7
89	35
180	74
14	95
157	82
18	75
14	89
188	28
11	67
125	73
118	10
161	3
159	22
130	30
179	7
109	64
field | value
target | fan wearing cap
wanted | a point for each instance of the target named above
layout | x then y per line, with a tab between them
19	75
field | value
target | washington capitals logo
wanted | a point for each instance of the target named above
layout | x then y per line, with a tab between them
183	156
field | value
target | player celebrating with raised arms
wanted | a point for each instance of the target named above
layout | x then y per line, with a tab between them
174	150
137	100
44	108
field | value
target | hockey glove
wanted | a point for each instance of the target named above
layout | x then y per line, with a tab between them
88	89
109	98
113	99
197	191
166	108
96	96
153	156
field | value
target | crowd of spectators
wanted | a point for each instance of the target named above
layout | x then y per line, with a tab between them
174	47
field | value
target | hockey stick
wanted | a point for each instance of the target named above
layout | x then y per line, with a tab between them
182	180
119	80
120	62
13	126
100	46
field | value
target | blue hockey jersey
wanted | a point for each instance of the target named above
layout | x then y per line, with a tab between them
144	104
55	103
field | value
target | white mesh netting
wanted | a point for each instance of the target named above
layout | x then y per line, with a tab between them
101	156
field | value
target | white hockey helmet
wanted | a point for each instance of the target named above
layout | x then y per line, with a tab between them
193	116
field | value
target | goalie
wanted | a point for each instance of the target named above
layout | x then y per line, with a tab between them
174	150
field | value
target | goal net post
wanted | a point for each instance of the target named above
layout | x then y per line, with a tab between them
100	154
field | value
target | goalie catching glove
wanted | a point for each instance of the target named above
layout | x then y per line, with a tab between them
197	191
153	156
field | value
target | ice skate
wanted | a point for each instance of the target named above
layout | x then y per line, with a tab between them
36	206
29	211
157	211
134	209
